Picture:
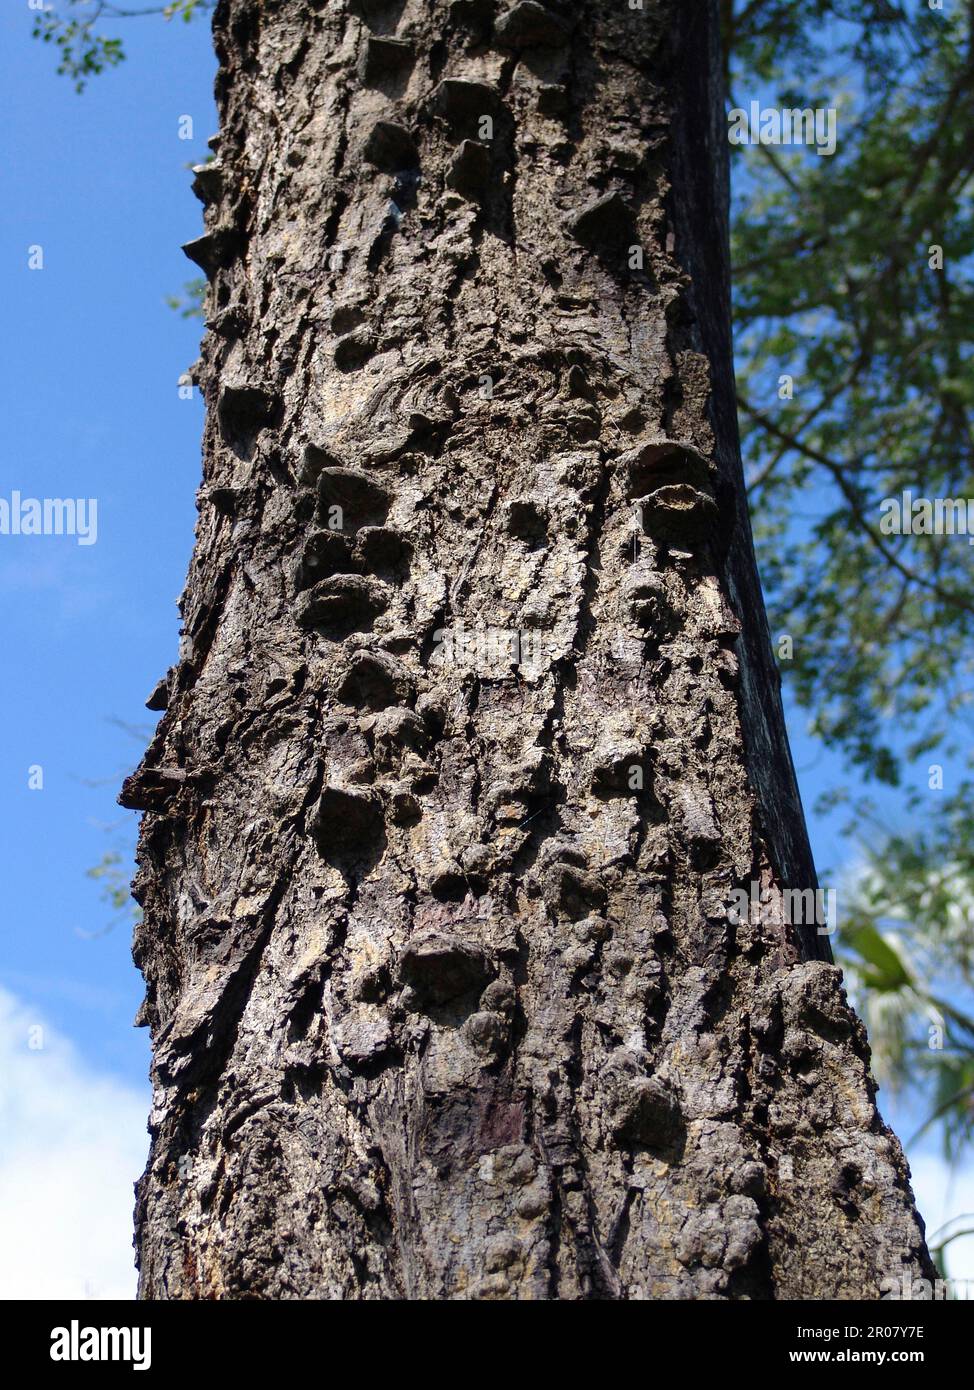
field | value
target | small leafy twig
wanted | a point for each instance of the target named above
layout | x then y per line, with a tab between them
82	51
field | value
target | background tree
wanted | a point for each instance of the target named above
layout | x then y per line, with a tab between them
840	291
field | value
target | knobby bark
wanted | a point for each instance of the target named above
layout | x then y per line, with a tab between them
475	727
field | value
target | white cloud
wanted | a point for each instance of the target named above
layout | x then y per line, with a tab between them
72	1143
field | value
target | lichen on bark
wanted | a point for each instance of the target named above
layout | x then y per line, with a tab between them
475	727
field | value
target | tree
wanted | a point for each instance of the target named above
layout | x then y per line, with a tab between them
474	746
851	401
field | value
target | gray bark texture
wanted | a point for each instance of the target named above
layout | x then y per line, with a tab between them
475	727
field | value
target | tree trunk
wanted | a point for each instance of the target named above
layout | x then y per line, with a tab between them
475	729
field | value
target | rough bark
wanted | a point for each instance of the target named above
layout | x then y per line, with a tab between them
446	996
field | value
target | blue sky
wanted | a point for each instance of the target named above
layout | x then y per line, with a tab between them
90	367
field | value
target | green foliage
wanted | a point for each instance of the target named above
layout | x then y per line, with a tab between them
114	873
834	287
83	51
183	9
908	950
113	878
189	304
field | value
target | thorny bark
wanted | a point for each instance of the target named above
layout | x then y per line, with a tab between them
445	994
